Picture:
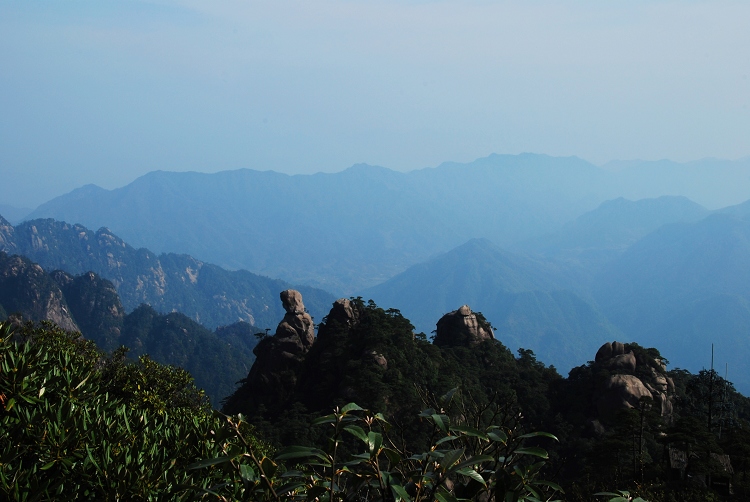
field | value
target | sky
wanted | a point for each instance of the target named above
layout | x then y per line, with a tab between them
104	92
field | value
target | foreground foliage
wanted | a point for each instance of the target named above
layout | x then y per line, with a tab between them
363	460
77	426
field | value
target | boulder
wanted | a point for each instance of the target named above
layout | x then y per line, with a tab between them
343	312
620	392
623	362
461	328
604	352
623	390
291	300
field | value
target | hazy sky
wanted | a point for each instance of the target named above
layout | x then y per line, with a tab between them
103	92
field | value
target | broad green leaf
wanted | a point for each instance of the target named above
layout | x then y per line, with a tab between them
375	440
445	398
477	459
442	421
399	493
533	450
444	496
301	452
357	431
451	458
351	407
471	473
538	434
498	436
328	419
247	473
426	413
269	467
445	440
393	456
469	431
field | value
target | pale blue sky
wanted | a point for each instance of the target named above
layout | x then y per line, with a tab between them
103	92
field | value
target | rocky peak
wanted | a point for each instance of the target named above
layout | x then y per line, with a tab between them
295	332
462	327
279	358
26	289
630	378
7	236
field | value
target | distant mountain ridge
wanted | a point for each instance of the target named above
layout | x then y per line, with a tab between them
356	228
531	304
600	235
89	304
663	271
204	292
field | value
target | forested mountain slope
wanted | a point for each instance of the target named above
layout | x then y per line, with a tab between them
89	304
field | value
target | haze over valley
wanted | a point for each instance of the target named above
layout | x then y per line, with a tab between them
557	253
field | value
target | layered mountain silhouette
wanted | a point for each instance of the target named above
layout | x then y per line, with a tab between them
531	303
89	304
663	272
688	283
204	292
354	229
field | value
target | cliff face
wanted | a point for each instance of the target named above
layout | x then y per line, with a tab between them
89	304
95	305
279	358
27	290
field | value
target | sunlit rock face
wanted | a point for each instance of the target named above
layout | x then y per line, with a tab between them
25	288
279	358
461	328
296	331
629	380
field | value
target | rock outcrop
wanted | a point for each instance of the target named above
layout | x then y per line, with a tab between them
279	357
95	305
27	290
632	377
296	332
462	327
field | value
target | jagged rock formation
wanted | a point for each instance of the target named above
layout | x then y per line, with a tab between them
95	306
208	294
26	289
295	332
279	357
462	327
7	236
342	313
630	377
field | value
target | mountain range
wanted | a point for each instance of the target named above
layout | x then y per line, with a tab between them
90	305
553	251
170	282
662	272
354	229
